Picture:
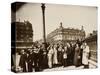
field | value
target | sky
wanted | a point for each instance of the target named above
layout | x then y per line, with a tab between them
71	16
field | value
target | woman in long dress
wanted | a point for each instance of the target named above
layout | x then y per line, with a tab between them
60	56
85	55
55	60
69	55
50	57
76	56
65	56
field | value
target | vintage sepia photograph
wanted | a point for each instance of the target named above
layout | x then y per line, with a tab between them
53	37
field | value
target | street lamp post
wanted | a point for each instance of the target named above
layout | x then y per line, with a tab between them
44	33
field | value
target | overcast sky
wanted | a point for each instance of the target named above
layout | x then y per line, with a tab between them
71	17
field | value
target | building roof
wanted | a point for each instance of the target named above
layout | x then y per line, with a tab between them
69	30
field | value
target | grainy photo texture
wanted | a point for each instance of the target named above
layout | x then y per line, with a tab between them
53	37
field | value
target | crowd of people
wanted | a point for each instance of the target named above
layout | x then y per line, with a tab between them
55	55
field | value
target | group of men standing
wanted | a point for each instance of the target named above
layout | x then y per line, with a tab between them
55	55
33	59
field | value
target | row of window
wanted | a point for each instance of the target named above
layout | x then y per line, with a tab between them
67	37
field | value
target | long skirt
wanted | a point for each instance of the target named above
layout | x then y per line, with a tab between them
50	60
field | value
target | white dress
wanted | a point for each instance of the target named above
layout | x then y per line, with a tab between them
50	55
55	61
85	55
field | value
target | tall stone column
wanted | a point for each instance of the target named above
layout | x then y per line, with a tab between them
44	33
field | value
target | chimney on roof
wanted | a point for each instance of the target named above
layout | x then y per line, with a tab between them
82	28
61	25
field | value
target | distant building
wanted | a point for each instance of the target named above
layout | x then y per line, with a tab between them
63	35
22	35
92	43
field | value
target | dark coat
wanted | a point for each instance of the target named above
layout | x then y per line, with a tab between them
23	60
30	62
60	57
69	56
77	54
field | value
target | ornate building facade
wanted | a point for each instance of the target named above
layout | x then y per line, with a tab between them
63	35
22	35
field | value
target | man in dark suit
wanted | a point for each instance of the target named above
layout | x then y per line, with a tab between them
23	61
30	60
36	58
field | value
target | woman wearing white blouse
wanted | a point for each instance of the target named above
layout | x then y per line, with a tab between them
85	55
